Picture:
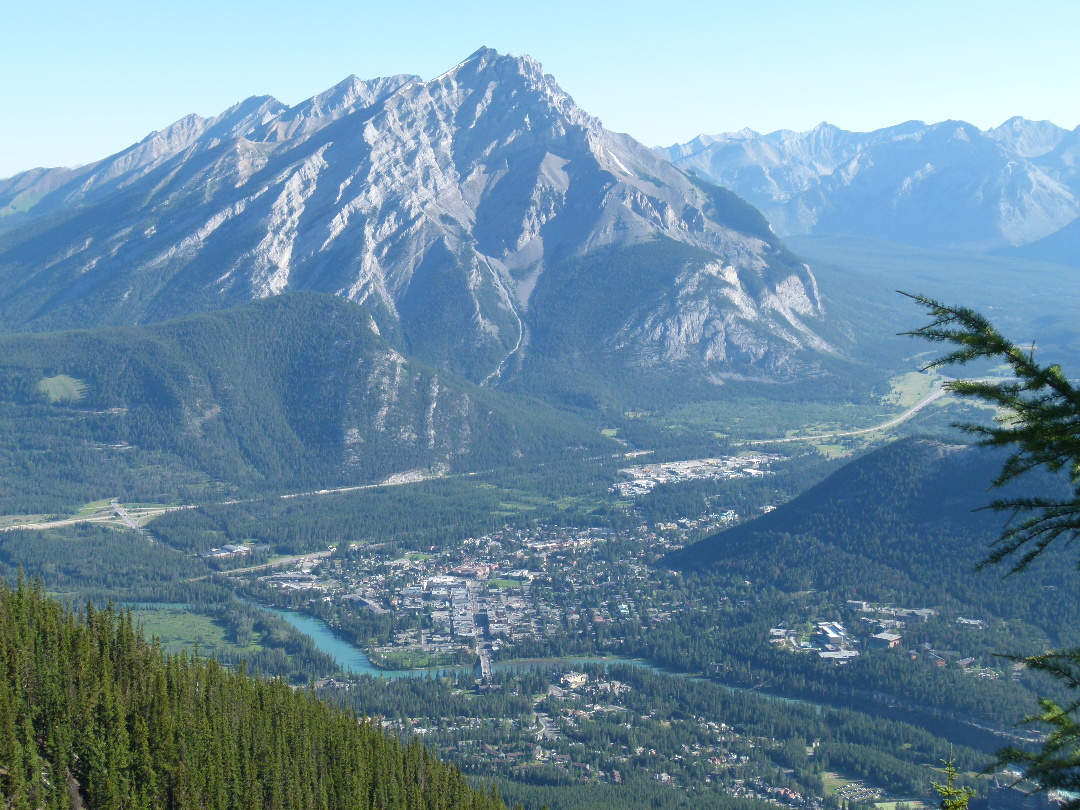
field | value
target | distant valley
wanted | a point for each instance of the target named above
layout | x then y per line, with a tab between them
604	473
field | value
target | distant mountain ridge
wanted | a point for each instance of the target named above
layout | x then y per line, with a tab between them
440	206
945	185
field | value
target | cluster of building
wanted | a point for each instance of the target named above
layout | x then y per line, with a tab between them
829	640
884	621
780	795
1008	791
645	477
228	550
857	792
503	588
879	627
889	616
759	790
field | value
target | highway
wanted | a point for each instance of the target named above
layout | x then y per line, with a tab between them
129	518
296	559
927	400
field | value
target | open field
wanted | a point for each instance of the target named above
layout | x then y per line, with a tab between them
906	390
504	583
95	508
181	629
62	388
934	396
758	418
22	521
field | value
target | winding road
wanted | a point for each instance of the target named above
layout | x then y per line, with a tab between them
896	420
935	395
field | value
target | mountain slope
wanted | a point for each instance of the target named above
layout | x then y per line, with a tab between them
92	715
1060	247
294	391
898	526
440	206
945	185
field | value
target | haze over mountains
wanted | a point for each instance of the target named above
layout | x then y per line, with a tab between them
945	185
493	233
457	211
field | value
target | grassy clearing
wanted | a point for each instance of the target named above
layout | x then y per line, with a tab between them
95	508
611	433
21	202
504	583
62	388
833	782
832	451
181	629
907	390
762	418
8	521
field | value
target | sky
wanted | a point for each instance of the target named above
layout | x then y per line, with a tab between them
84	80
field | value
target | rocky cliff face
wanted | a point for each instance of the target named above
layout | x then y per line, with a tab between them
945	185
440	206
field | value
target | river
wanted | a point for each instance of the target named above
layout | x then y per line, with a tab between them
353	660
349	657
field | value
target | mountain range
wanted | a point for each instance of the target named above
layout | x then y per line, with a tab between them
944	185
476	216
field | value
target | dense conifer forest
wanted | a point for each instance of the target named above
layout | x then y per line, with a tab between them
93	715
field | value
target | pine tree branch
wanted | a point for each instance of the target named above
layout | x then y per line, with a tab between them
1039	421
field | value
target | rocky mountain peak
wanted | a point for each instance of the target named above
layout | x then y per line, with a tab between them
520	81
446	207
1027	138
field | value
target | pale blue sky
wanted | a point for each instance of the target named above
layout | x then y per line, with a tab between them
83	80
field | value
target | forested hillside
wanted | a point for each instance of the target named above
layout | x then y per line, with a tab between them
898	525
92	715
294	391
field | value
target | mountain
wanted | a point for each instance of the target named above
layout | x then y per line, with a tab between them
447	208
1060	247
945	185
899	526
295	391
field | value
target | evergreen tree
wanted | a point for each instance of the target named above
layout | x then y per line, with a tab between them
1040	423
953	797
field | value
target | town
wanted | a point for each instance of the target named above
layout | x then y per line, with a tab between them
493	595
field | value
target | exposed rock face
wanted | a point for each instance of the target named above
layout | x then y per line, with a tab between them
945	185
437	205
